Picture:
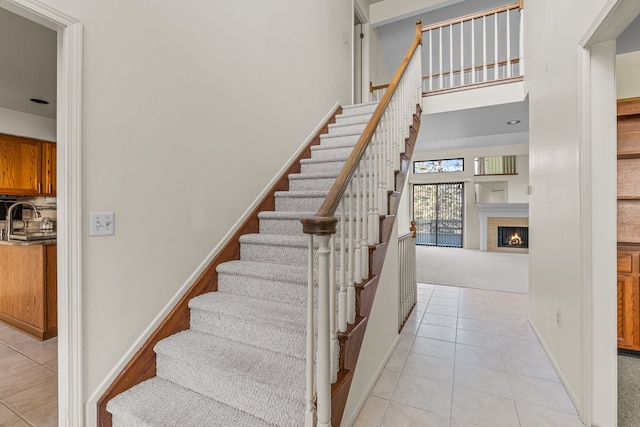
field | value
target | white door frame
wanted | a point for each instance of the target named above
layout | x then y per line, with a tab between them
69	206
363	17
598	176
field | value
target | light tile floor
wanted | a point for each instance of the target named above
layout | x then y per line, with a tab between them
466	358
28	380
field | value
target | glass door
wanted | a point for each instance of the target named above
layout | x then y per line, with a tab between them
438	212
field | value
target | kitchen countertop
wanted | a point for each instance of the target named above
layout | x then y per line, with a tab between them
28	243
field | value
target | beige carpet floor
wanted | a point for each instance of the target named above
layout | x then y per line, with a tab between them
470	268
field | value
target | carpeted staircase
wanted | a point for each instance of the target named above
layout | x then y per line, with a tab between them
242	362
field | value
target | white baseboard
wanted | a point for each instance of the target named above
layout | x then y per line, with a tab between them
570	392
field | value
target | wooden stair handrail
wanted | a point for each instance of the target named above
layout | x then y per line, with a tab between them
472	16
323	222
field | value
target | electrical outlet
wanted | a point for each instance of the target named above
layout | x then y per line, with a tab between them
102	223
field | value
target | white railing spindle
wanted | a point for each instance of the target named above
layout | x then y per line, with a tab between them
450	56
462	53
430	60
342	293
441	78
351	290
508	45
496	64
333	337
473	51
484	48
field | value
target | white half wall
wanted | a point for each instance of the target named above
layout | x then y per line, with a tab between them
23	124
467	99
381	337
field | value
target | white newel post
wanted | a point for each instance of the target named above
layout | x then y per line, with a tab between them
323	356
310	411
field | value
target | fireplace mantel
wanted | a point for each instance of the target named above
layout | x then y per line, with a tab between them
498	210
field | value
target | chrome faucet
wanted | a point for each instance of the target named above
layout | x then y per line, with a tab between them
10	211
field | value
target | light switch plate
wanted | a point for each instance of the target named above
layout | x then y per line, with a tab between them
102	223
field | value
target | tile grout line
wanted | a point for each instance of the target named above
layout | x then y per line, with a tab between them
18	414
22	353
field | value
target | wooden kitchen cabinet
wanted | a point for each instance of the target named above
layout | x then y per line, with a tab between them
49	169
20	165
628	291
27	166
28	289
628	219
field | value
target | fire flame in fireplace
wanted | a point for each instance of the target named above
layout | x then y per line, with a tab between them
515	240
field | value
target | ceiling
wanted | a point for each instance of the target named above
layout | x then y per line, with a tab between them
27	65
474	127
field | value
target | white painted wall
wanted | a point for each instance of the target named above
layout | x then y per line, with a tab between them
381	337
387	11
22	124
516	185
378	70
557	284
627	75
180	101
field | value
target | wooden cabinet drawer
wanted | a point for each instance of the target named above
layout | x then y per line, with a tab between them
625	262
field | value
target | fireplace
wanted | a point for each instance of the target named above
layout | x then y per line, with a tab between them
513	237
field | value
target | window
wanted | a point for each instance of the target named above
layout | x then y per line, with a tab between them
495	165
438	213
438	166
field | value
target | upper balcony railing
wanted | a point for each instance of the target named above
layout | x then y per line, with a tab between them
480	49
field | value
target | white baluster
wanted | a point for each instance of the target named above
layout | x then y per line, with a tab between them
375	165
451	56
310	412
521	45
440	52
430	60
333	338
351	294
342	293
508	43
379	164
484	48
323	358
473	51
365	215
461	53
496	76
355	223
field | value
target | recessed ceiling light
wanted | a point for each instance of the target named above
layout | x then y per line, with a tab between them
39	101
513	122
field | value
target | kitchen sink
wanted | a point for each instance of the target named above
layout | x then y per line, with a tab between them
33	235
